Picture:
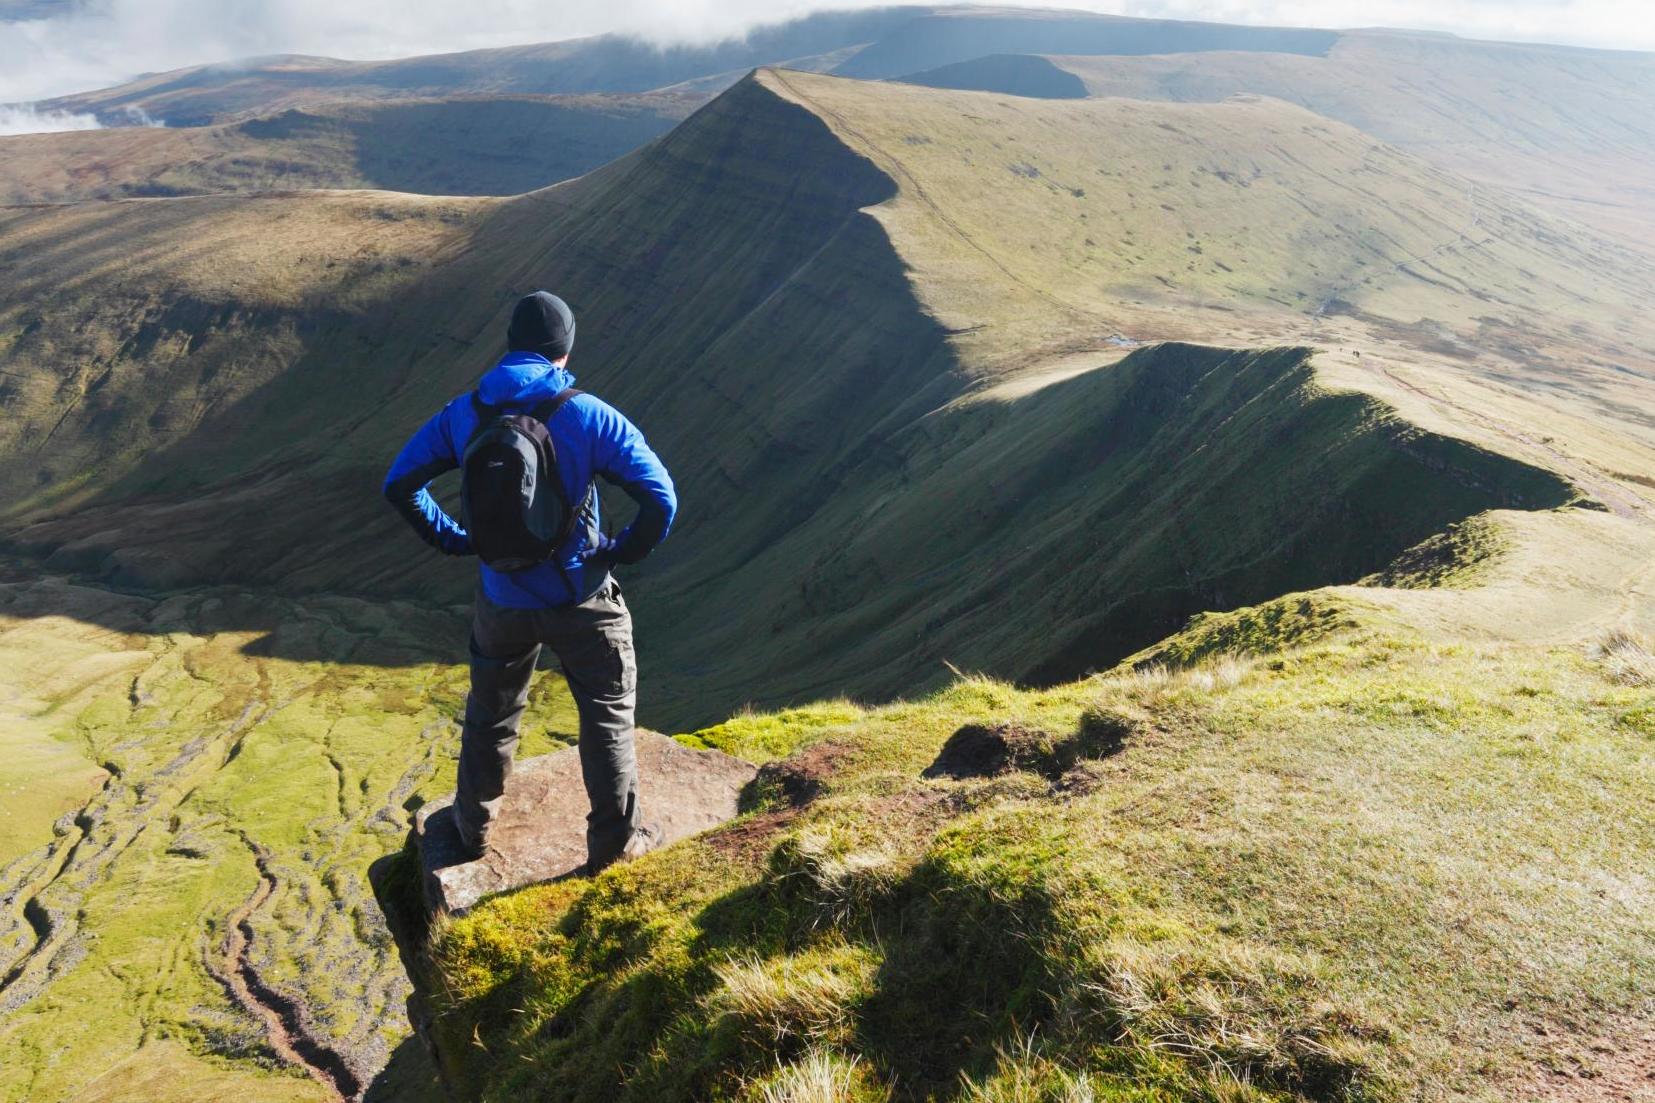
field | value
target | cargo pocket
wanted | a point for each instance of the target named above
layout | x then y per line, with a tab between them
622	660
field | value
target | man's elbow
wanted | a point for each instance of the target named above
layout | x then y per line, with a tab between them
400	490
669	510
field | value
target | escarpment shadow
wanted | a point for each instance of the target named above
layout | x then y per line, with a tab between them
1040	538
1012	74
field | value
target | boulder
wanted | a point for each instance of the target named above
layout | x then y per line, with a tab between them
541	833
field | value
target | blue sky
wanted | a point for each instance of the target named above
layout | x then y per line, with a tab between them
52	47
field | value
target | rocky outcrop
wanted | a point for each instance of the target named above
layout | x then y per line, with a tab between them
541	834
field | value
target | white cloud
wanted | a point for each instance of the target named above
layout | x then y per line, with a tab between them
24	119
94	43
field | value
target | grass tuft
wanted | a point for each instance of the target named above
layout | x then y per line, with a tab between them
1626	656
842	883
1022	1074
821	1076
809	996
1219	1006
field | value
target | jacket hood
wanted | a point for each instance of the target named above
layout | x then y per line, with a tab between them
523	377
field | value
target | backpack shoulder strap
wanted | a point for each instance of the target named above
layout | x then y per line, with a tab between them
543	413
546	409
485	414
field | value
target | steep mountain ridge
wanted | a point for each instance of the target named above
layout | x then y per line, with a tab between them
611	63
713	274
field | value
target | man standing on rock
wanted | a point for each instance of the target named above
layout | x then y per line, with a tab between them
530	446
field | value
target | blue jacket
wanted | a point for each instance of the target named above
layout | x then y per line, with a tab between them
592	439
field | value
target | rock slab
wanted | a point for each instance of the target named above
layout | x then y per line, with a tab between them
541	833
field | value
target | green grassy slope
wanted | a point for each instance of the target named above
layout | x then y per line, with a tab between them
1056	217
118	342
1569	128
1361	865
1050	535
205	769
1041	229
462	146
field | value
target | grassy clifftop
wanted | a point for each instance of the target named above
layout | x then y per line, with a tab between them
1356	864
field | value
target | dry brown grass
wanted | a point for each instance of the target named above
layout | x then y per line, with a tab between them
1626	655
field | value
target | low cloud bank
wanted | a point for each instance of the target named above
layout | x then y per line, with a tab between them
25	119
65	46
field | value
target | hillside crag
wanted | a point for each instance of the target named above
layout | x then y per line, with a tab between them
541	834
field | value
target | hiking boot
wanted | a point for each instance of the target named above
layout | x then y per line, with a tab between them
471	849
645	838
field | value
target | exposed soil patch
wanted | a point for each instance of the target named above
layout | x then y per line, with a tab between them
1618	1069
976	750
922	812
802	778
752	838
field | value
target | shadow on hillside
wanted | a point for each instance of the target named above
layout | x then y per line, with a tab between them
408	1077
962	975
1181	480
317	629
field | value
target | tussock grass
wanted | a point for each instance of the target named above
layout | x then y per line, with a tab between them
1627	656
1217	1005
1022	1074
806	996
821	1076
1158	684
841	882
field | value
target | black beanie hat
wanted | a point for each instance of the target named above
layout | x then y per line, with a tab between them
542	323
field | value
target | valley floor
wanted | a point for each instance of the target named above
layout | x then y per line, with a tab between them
191	815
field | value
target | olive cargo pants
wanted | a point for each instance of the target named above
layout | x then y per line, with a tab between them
593	642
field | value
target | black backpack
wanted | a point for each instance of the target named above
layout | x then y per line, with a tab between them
512	500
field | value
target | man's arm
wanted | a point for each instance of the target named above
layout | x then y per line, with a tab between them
624	458
428	454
